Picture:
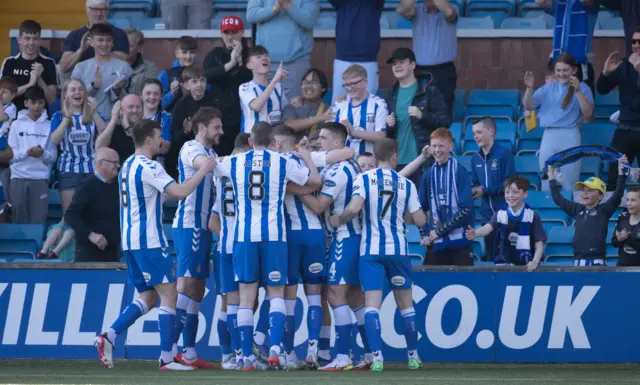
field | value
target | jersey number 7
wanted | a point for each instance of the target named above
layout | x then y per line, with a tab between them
390	197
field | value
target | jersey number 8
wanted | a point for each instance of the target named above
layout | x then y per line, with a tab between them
256	185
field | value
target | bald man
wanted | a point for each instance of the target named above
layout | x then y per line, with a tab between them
117	134
94	211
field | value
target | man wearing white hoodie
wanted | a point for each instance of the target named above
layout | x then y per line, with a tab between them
33	152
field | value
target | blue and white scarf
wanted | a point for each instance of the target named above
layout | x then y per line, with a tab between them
570	33
443	196
523	243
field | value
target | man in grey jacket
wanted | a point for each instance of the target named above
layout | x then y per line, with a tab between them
142	69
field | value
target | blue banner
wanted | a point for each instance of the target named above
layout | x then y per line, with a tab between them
462	317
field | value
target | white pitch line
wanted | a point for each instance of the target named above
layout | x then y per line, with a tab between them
287	378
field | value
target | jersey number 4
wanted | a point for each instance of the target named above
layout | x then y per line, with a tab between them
387	198
256	185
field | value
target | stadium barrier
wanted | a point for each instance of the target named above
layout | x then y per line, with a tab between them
480	314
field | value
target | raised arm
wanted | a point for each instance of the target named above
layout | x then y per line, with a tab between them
571	208
407	9
318	204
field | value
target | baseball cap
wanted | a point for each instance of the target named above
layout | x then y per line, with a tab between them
231	23
592	183
401	54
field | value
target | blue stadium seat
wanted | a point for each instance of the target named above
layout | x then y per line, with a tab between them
476	23
604	16
416	259
612	24
495	103
525	6
558	261
150	24
169	234
498	10
465	160
611	251
542	203
460	98
3	260
456	132
596	133
559	242
416	251
590	166
121	22
523	23
20	241
326	99
326	21
528	142
413	234
404	24
506	133
55	206
478	248
528	167
134	10
233	5
169	211
607	104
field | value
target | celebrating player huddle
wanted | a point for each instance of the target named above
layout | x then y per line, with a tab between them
273	205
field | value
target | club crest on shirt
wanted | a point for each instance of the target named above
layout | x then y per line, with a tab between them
494	164
371	118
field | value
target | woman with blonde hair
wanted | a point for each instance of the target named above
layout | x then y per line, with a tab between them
564	105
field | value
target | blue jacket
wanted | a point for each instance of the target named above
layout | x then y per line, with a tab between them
490	172
461	221
358	29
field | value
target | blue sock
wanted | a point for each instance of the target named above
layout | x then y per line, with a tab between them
343	326
289	325
372	323
166	325
181	316
223	333
276	320
129	316
410	330
360	315
314	317
190	330
324	343
262	328
245	329
232	325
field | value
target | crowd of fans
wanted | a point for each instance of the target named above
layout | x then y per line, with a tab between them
106	86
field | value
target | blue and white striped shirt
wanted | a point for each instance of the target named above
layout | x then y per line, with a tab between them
299	216
370	115
78	145
387	197
225	208
142	183
165	124
270	113
338	185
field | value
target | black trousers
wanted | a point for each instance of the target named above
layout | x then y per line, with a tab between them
628	143
455	257
444	77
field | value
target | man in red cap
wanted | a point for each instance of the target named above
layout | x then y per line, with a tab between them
225	70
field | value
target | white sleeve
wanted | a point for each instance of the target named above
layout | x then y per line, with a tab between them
156	177
381	116
189	155
246	96
319	158
358	187
334	182
224	167
296	173
414	202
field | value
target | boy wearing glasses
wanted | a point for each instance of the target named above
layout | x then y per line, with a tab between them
364	114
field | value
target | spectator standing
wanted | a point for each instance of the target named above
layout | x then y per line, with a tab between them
416	109
285	29
33	152
630	12
151	95
187	14
225	69
118	135
491	166
445	191
76	46
30	67
627	233
305	117
8	113
562	105
575	21
171	79
142	69
94	213
357	40
104	75
435	43
625	74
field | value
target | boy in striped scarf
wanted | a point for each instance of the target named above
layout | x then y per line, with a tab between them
518	229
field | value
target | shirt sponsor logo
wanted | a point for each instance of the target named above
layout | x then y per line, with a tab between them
316	267
275	276
79	138
398	280
329	183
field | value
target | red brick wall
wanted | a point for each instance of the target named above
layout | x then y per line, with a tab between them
482	63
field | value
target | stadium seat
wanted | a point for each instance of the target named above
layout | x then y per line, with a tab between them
326	21
54	213
416	259
478	248
169	211
590	166
460	98
133	10
169	234
611	251
3	260
476	23
154	23
495	103
456	132
528	167
556	260
525	6
326	99
232	5
20	241
604	16
523	23
121	22
614	23
528	142
506	133
594	133
559	242
607	104
465	160
542	203
498	10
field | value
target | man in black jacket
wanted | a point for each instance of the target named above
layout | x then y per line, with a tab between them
94	212
624	74
416	109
